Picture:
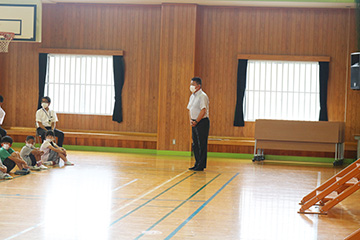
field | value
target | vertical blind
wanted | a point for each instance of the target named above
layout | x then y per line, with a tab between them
80	84
284	90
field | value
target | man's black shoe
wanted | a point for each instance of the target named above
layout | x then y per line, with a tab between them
198	169
192	168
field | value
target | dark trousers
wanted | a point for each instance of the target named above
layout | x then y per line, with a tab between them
33	159
10	164
58	133
2	132
200	134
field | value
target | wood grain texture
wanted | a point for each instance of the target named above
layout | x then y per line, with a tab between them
128	194
227	32
20	84
2	65
133	29
352	112
177	67
165	45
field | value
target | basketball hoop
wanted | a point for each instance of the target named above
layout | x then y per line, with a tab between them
5	39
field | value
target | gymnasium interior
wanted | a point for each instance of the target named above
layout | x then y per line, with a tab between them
280	165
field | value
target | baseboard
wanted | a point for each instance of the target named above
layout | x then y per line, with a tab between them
268	158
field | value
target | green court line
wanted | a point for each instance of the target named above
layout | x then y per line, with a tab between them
347	161
178	206
316	1
173	153
200	208
18	145
109	149
188	154
279	158
230	155
132	211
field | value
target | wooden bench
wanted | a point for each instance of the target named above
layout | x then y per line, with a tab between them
299	135
233	141
244	145
132	139
231	144
94	138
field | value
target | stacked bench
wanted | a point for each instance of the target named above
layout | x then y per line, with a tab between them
299	135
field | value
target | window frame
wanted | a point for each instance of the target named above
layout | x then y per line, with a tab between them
70	82
281	58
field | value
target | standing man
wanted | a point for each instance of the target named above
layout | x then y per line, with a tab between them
46	120
2	116
199	120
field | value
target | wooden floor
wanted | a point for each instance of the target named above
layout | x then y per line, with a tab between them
130	196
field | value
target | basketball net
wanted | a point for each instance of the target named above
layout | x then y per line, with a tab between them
5	39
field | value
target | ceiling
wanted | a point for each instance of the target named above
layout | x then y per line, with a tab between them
256	3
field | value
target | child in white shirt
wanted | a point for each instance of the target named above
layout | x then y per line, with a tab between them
52	152
32	155
2	116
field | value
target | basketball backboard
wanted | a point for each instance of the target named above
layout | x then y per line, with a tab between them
22	18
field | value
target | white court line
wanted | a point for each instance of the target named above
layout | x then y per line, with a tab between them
316	216
25	231
124	185
152	190
136	199
318	179
355	217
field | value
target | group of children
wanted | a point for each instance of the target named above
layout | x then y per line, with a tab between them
30	157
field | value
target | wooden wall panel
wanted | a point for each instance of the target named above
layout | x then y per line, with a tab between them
20	84
134	29
221	34
226	32
177	67
2	66
353	96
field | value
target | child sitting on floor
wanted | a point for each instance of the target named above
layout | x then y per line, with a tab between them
10	158
52	152
3	170
32	155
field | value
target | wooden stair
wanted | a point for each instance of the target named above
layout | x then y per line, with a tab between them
333	191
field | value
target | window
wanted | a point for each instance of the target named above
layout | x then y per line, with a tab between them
80	84
283	90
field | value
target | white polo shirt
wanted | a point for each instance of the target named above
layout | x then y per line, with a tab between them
45	117
2	115
197	102
45	148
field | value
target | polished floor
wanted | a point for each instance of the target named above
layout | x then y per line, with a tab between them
138	196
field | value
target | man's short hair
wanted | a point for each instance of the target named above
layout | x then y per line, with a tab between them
30	137
197	80
47	98
1	99
49	133
7	139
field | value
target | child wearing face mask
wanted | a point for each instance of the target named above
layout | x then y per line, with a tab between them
32	155
52	152
46	119
10	158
